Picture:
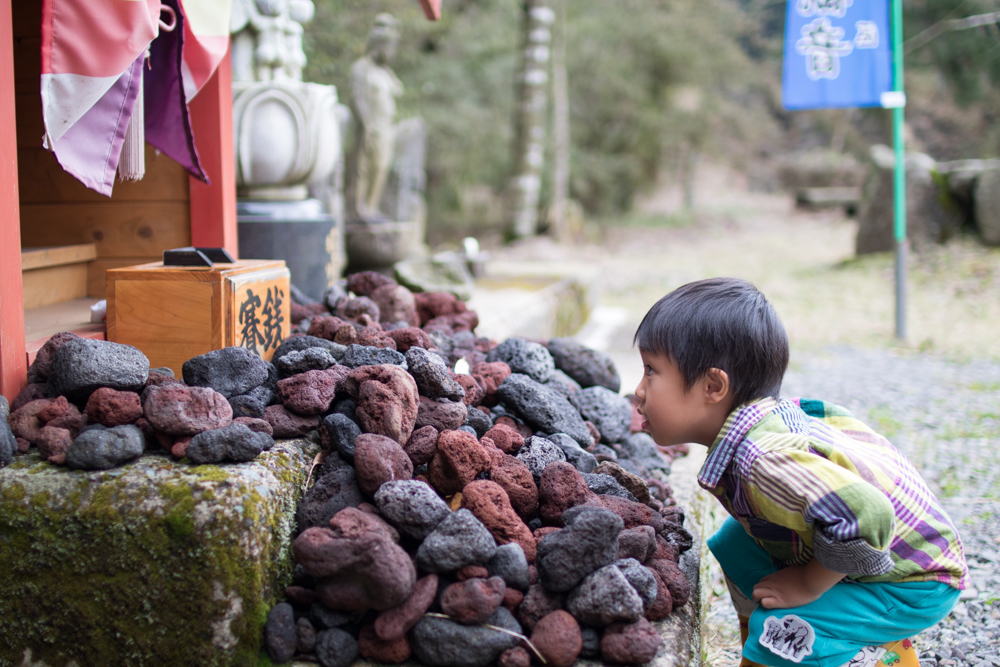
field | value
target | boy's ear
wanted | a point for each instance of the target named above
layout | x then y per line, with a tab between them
716	385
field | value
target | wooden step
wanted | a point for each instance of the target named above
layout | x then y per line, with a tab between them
74	316
54	274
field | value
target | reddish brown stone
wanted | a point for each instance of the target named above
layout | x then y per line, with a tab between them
377	460
496	456
452	324
179	447
514	657
664	602
374	648
435	304
489	502
561	487
442	415
472	572
110	407
25	422
301	595
506	439
676	582
299	312
489	375
395	304
665	550
396	622
557	637
58	408
522	429
159	379
181	410
286	424
31	392
363	283
53	441
311	393
458	460
539	533
595	434
537	604
632	483
387	400
632	513
408	337
372	336
515	478
22	445
472	601
511	598
255	425
40	368
325	326
532	575
638	543
75	423
630	643
421	445
473	392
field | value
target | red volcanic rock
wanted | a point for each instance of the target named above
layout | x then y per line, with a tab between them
179	447
363	283
442	415
395	304
111	407
506	439
25	422
374	648
408	337
374	337
558	638
396	622
489	502
57	409
539	533
664	602
561	487
473	601
325	326
31	392
255	425
638	543
53	441
630	643
472	572
421	445
452	324
665	550
515	478
537	604
511	598
379	459
496	456
674	579
595	434
632	513
301	595
435	304
522	429
514	657
354	310
38	372
473	392
75	423
286	424
489	375
459	458
387	400
311	393
181	410
23	446
156	379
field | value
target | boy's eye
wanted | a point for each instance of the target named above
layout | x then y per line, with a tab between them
649	369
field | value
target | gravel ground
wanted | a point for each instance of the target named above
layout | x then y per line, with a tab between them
945	417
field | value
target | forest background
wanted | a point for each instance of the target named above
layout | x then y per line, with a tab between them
654	86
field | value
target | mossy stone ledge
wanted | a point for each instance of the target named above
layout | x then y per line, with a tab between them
151	563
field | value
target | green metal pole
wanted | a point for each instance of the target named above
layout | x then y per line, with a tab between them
899	175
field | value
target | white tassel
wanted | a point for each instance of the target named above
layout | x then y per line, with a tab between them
132	163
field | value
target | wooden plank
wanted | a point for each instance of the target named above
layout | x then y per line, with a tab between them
27	65
119	229
39	258
213	207
94	331
43	287
43	181
13	367
97	280
156	271
41	323
27	18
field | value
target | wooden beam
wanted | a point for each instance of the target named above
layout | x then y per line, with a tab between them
13	363
213	207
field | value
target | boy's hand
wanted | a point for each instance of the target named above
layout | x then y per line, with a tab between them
795	585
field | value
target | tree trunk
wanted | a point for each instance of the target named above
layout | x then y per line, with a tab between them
560	125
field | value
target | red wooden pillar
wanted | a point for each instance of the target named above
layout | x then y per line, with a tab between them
213	207
13	364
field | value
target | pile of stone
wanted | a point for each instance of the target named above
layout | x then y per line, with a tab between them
476	503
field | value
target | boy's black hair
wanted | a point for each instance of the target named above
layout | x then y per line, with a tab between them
723	323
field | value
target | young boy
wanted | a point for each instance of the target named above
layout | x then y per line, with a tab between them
835	550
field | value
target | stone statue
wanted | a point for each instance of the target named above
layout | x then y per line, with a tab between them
267	39
374	89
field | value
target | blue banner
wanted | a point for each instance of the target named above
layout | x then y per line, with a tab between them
838	53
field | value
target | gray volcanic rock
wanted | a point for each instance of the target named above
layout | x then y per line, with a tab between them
4	408
604	597
230	371
332	492
438	642
588	542
609	412
235	442
432	375
641	450
411	506
543	408
442	414
588	367
8	444
300	361
562	383
103	448
336	648
337	432
38	371
640	578
366	355
83	365
530	359
280	636
300	343
179	410
459	540
253	403
537	453
510	563
479	421
581	459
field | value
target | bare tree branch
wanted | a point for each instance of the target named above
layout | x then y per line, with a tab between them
942	27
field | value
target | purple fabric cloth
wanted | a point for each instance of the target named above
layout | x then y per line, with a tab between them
91	148
168	123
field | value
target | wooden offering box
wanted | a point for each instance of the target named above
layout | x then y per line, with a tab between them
173	313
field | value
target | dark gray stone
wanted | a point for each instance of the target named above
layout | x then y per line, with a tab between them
537	453
346	407
252	403
8	444
335	489
305	635
341	432
336	648
609	412
411	506
100	449
606	485
432	375
83	365
588	542
366	355
468	429
300	343
591	643
230	371
280	636
641	450
4	408
542	408
510	563
581	459
588	367
640	578
530	359
562	383
604	597
236	443
605	453
459	540
438	642
479	421
300	361
327	619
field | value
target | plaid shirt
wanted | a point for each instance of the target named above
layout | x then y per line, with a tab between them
806	479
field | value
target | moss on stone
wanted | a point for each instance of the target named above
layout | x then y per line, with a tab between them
153	563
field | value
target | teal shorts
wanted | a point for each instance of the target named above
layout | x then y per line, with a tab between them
830	630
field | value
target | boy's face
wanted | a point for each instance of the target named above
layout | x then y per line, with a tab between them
673	414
